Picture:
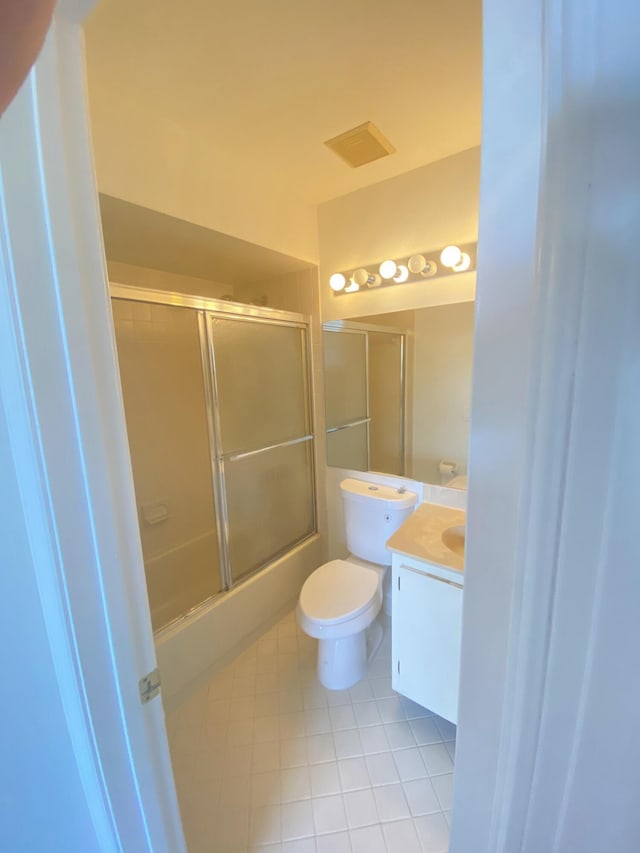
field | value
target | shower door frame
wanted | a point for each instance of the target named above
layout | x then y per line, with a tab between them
353	327
206	309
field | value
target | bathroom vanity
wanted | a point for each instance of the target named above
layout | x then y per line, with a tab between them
428	578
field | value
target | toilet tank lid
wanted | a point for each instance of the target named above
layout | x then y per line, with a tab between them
364	491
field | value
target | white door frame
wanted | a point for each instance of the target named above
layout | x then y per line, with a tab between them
60	392
552	588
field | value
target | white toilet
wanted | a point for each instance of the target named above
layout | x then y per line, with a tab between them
341	599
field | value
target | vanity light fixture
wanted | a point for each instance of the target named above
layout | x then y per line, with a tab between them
433	264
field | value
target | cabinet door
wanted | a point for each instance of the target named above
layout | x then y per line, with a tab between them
427	622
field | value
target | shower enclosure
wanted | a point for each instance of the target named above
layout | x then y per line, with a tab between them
364	373
217	401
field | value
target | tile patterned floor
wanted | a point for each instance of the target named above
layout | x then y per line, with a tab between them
265	759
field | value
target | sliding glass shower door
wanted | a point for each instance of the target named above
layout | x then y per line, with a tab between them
160	361
218	413
264	441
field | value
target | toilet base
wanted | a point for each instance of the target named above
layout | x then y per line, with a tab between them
343	662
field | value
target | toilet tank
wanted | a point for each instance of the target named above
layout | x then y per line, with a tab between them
372	514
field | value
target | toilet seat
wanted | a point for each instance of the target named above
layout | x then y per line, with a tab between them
339	591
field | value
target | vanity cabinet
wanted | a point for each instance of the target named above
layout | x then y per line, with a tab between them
425	633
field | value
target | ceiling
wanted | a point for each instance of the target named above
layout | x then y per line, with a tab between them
262	83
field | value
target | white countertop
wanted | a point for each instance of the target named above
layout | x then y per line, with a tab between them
421	535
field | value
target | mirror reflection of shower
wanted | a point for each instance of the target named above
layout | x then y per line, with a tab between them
398	391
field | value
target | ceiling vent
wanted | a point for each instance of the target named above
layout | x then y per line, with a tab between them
361	145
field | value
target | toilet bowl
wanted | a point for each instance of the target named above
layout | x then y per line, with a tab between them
338	605
340	600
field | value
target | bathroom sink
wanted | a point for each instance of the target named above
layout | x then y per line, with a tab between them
453	538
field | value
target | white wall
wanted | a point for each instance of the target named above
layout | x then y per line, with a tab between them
421	210
135	276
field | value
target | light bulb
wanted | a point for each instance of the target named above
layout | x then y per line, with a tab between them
363	276
403	274
388	269
337	281
463	264
418	264
352	286
450	256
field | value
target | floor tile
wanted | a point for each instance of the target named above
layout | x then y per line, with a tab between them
433	833
265	756
292	725
391	802
297	820
266	759
293	753
265	825
410	764
367	714
265	789
361	692
401	836
266	729
336	842
421	797
436	758
342	717
360	808
399	735
299	845
317	721
329	814
368	839
373	739
295	784
444	789
325	779
447	729
347	743
338	697
382	769
321	748
391	710
425	730
353	774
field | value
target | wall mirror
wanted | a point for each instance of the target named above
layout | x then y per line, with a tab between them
398	391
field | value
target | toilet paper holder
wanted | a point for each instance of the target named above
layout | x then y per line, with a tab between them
448	469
